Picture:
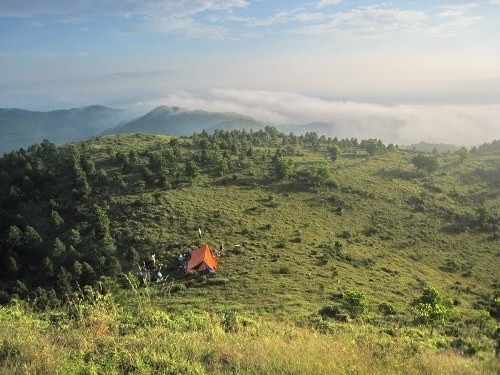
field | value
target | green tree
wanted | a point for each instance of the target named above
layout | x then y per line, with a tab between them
31	237
354	303
463	154
74	237
88	274
14	237
77	270
222	166
112	266
20	289
88	166
63	282
373	147
320	173
283	168
192	170
431	309
102	177
132	156
163	182
47	267
148	175
428	163
12	267
56	220
132	255
102	229
333	152
59	248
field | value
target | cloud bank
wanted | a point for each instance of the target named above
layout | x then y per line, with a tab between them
400	124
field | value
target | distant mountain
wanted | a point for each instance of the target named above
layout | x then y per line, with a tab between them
180	121
429	147
21	128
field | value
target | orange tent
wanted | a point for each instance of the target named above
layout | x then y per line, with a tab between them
202	259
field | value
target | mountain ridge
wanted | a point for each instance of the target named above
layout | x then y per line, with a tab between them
21	128
173	120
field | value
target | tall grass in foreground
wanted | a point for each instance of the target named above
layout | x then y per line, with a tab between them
95	335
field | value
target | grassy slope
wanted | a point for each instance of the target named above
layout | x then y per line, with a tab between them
394	248
284	226
103	339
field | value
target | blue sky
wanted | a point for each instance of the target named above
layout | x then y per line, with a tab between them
376	59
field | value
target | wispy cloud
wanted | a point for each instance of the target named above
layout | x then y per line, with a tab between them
150	15
29	8
401	124
325	3
455	11
384	21
227	18
284	17
369	21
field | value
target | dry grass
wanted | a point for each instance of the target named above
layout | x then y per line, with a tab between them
156	342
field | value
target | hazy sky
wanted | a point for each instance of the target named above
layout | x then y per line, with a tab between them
431	67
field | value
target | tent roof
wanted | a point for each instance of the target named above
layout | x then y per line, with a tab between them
202	256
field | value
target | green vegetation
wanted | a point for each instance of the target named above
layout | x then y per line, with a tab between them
327	255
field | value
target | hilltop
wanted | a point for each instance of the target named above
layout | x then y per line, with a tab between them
432	147
306	220
165	120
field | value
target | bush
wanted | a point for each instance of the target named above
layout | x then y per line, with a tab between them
229	321
284	270
345	234
335	312
387	308
428	163
354	303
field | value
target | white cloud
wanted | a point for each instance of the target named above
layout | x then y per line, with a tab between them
494	1
369	21
325	3
29	8
401	124
384	21
163	16
456	10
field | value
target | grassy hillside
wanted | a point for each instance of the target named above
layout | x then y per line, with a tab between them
301	232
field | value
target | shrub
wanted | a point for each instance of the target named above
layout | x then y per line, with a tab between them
345	234
335	312
229	321
284	270
387	308
354	303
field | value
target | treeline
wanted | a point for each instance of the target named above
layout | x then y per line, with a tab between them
493	146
